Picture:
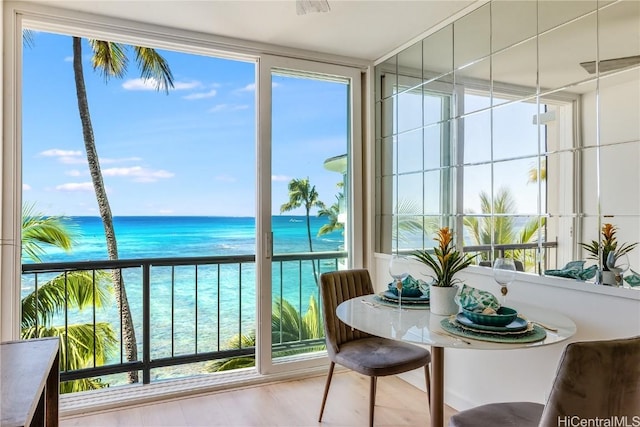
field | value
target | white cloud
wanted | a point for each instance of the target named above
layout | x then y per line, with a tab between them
140	84
75	186
73	172
280	178
65	156
56	152
26	187
152	84
165	211
138	173
201	95
226	107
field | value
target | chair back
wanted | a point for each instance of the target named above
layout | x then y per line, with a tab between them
596	379
336	287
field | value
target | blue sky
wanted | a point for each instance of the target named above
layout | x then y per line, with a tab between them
191	152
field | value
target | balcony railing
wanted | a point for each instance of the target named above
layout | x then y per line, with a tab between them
526	253
184	310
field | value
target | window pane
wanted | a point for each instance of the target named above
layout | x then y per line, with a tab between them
513	190
477	135
410	151
514	132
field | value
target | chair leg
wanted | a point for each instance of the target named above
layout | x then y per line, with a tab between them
372	399
427	378
326	389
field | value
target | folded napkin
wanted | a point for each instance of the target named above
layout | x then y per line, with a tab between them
574	270
633	279
474	299
411	287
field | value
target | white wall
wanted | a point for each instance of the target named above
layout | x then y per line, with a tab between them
474	377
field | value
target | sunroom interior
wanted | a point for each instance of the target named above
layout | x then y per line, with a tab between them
475	97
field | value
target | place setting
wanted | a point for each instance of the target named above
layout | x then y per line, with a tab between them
484	317
405	291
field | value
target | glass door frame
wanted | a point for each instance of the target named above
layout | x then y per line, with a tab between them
267	65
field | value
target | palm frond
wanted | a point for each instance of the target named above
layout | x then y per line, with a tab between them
109	59
38	230
154	67
70	290
232	363
78	343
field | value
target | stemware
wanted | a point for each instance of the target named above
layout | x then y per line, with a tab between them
618	264
397	270
504	271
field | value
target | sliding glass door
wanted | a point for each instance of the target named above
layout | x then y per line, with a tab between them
306	197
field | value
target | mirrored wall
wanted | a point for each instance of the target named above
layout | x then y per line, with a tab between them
519	126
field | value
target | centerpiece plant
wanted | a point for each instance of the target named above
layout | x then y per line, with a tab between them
609	244
446	260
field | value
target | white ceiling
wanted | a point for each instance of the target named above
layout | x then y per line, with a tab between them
363	29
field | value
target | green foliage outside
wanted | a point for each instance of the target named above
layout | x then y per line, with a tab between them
500	229
73	290
286	326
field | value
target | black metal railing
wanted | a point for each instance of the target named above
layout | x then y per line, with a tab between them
529	254
196	304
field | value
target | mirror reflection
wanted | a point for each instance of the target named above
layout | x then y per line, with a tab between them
518	125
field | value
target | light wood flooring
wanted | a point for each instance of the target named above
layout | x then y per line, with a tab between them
288	404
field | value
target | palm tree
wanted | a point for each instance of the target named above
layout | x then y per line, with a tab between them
73	290
332	213
500	229
533	172
110	60
407	225
301	193
286	326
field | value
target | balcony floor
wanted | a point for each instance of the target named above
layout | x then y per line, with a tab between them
290	403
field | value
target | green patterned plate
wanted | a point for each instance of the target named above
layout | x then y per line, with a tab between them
518	325
379	299
535	334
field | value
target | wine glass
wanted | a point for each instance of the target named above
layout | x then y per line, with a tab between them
504	271
397	270
618	264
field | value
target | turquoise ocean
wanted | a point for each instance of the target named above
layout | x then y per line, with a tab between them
179	311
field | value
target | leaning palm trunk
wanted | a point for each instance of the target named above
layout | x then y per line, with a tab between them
313	263
128	333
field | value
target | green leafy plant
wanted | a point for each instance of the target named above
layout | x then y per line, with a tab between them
609	244
446	260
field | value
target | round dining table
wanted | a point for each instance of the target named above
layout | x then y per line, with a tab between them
416	324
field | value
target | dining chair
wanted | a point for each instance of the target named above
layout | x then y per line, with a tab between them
595	379
359	351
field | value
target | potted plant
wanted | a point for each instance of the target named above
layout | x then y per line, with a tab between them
609	245
445	262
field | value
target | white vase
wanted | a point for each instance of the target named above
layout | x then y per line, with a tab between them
442	300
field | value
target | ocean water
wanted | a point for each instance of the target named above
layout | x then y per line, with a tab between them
180	311
166	236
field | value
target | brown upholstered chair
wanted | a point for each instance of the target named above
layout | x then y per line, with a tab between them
356	350
594	379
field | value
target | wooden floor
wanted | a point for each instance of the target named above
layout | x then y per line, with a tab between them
292	403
